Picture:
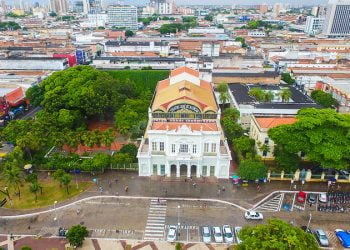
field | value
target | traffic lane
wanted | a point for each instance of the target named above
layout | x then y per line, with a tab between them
107	214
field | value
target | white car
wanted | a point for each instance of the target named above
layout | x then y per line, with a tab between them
237	229
218	235
252	215
206	235
228	235
172	234
322	197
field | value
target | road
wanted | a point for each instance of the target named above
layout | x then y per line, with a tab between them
149	219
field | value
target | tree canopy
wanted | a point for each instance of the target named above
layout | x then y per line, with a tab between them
324	99
276	235
288	78
322	134
252	170
76	235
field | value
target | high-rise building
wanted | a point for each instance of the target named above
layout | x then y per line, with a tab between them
277	8
318	11
337	22
263	8
122	16
314	25
163	7
78	7
95	6
59	6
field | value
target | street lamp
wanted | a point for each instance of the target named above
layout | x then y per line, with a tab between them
308	224
178	219
56	217
75	173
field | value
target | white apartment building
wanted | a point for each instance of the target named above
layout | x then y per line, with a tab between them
184	137
59	6
314	25
122	16
337	22
163	7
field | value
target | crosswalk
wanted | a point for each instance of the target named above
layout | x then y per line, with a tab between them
156	220
274	204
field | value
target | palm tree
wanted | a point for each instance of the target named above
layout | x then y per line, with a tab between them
285	95
13	177
268	96
65	180
223	98
258	93
34	188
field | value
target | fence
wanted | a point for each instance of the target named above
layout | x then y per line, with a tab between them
308	176
125	166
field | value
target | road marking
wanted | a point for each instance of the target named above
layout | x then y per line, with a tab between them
273	205
156	220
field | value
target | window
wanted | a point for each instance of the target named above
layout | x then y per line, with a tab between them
266	140
172	148
206	147
183	148
264	153
154	146
194	149
213	147
161	146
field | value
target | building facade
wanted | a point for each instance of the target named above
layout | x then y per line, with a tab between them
337	22
163	7
123	16
184	137
314	25
59	6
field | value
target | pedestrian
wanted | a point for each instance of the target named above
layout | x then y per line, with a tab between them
191	178
194	184
218	192
166	192
295	187
126	189
205	205
158	200
258	188
28	227
185	179
223	188
109	184
338	187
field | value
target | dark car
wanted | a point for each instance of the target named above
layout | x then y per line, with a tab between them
311	199
306	229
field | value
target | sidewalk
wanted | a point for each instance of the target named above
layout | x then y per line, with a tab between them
158	187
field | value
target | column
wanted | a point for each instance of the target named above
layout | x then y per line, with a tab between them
177	170
188	170
198	171
167	169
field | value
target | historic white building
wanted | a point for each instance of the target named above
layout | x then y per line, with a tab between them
184	136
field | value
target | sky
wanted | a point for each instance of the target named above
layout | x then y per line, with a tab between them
188	2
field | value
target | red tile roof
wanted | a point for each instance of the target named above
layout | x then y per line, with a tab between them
271	122
176	125
184	69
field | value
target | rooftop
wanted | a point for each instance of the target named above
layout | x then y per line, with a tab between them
271	122
177	125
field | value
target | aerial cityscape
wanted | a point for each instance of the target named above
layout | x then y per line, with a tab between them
169	124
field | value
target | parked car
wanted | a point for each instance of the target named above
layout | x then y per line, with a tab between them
322	197
228	235
62	232
344	237
311	199
322	238
218	235
206	234
301	197
172	234
252	215
237	229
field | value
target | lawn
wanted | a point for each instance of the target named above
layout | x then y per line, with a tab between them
51	192
144	79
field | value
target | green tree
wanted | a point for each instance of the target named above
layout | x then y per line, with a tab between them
231	113
231	128
257	93
35	95
121	158
252	170
57	175
129	33
76	235
66	180
34	188
322	134
52	14
242	40
276	235
208	18
26	248
285	95
130	149
288	78
268	96
9	26
31	178
12	176
286	161
100	162
244	145
324	99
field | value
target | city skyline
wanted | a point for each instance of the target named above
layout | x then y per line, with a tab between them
199	2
